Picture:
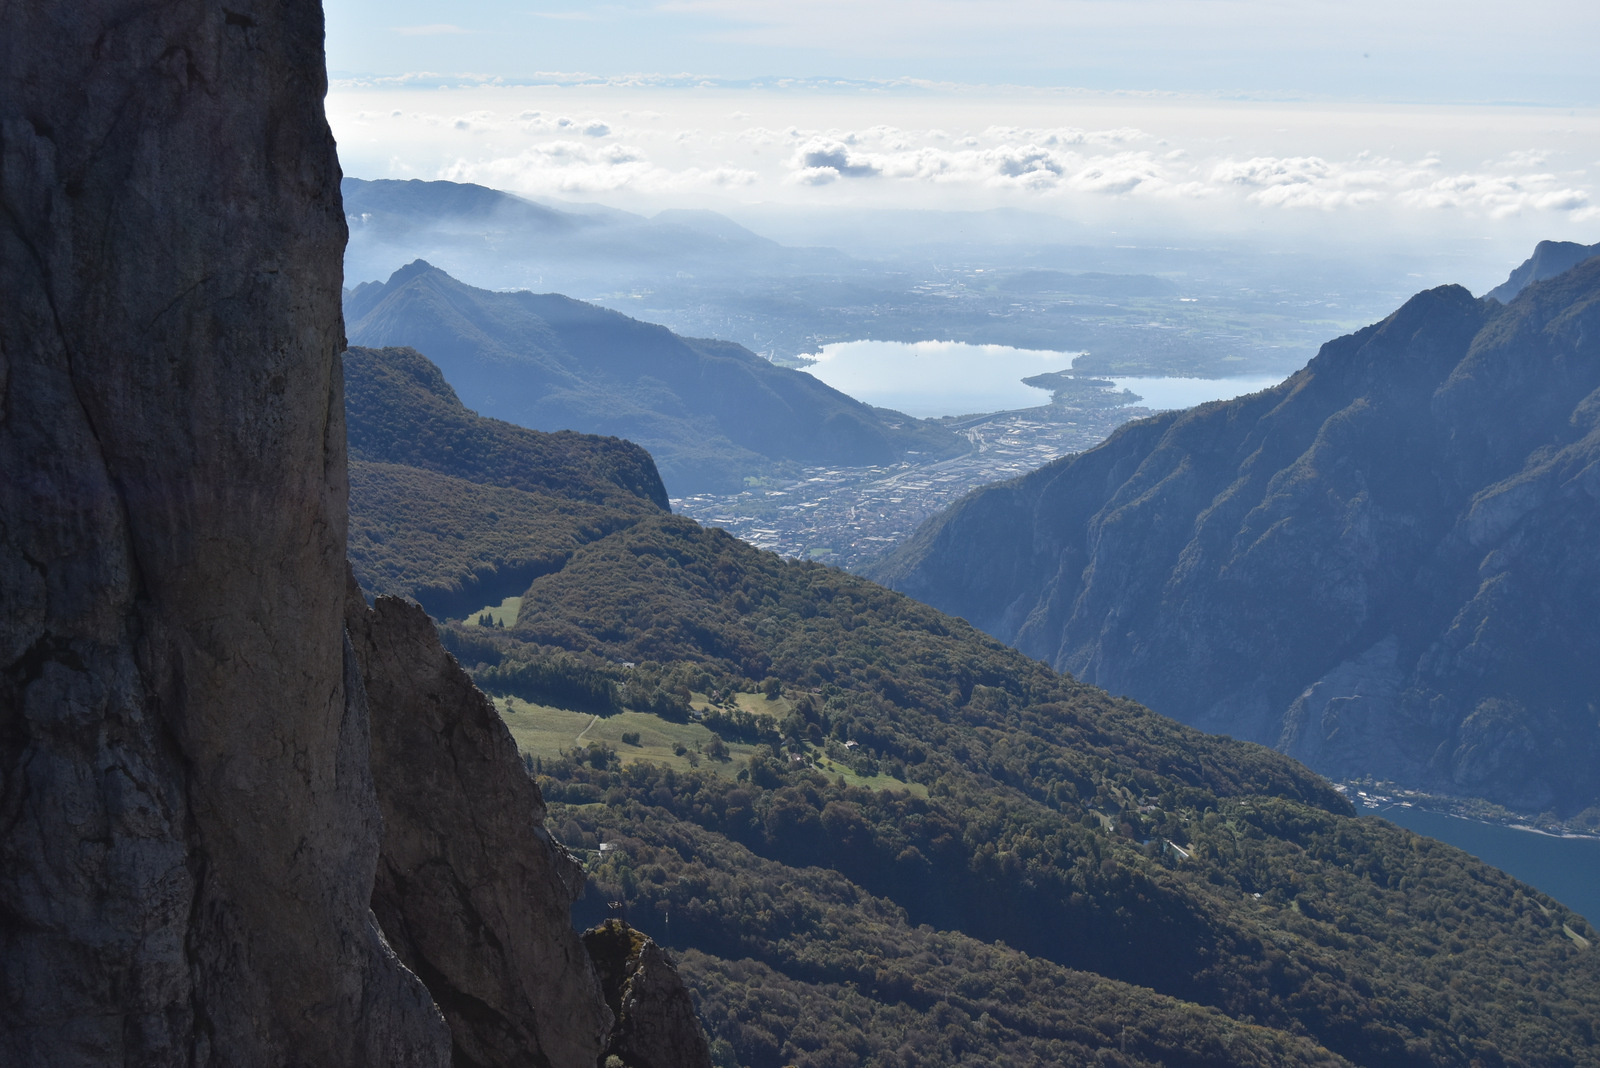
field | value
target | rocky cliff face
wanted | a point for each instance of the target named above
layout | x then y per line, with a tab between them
471	890
1381	566
187	827
189	797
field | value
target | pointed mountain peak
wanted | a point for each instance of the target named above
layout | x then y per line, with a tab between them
415	269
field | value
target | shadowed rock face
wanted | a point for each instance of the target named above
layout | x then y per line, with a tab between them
188	830
1383	566
471	890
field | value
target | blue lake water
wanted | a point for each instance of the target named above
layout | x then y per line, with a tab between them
1568	869
934	378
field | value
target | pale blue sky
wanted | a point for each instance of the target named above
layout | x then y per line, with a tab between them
1465	51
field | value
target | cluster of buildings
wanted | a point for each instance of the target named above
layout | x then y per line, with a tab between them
845	516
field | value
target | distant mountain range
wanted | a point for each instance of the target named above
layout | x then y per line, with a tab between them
1384	566
1006	278
393	222
712	413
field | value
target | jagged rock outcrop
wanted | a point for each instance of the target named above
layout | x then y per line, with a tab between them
471	890
188	830
1383	566
656	1025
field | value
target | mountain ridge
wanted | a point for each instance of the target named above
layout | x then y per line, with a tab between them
459	511
1549	259
713	413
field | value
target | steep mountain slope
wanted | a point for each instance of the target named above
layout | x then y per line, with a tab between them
1549	259
1381	566
711	412
875	835
994	800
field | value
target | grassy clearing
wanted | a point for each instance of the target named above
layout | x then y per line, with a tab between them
547	732
778	707
759	705
835	770
544	731
504	613
754	703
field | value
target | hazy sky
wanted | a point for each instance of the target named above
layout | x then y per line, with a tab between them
1398	122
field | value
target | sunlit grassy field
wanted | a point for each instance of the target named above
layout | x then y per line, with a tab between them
545	731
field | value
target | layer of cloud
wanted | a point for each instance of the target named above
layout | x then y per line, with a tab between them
577	168
589	149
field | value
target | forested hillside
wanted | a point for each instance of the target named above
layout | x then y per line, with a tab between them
1383	566
874	835
458	511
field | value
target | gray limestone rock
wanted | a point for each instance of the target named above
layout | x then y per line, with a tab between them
472	891
1336	719
188	831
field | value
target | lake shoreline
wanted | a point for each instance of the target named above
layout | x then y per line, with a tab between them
957	380
1380	796
1563	864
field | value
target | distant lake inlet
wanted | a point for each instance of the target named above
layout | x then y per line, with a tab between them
929	379
1568	869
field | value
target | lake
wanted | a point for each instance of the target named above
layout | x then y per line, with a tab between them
1568	869
929	379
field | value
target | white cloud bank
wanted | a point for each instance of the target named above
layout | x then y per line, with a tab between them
1153	163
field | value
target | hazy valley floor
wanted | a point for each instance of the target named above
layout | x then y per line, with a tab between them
847	516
